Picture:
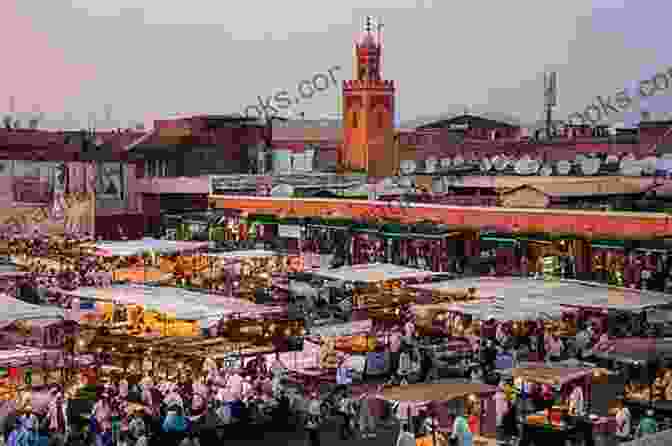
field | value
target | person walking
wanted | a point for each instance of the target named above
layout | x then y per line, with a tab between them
313	420
345	407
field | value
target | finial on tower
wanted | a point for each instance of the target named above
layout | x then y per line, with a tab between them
368	27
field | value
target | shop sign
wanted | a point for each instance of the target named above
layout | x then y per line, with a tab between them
289	231
233	361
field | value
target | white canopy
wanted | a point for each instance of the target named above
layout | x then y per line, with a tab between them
372	272
179	303
246	254
137	247
16	310
531	298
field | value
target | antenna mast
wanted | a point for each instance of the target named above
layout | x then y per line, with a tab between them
379	31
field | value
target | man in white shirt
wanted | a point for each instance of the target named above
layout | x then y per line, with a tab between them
313	420
405	438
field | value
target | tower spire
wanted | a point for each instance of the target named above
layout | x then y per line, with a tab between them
368	26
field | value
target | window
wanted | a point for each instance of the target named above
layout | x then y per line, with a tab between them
354	120
111	181
163	168
381	117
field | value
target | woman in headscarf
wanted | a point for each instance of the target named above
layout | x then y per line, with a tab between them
175	425
199	409
28	435
57	416
102	412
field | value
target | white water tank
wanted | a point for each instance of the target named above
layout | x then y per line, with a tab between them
298	162
282	161
309	159
430	164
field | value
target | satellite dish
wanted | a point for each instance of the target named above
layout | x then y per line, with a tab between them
611	159
405	182
405	167
627	162
649	165
500	163
430	164
590	166
526	166
437	185
563	167
631	167
486	165
546	171
412	166
446	163
458	161
282	190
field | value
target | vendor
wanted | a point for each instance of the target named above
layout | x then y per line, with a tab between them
554	347
647	425
623	421
576	402
460	428
279	373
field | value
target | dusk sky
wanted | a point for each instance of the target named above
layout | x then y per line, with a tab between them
150	59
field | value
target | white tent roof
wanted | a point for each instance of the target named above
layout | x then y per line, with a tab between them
137	247
530	298
246	254
372	272
179	303
14	310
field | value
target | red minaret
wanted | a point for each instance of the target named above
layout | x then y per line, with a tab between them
368	112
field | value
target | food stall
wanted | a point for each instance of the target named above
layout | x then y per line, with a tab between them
620	312
158	311
242	273
563	391
148	259
446	401
24	370
645	368
374	283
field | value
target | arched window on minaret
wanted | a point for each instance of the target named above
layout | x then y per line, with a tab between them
354	120
381	118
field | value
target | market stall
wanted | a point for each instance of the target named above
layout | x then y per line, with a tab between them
553	402
619	312
645	369
375	284
160	311
445	402
246	272
150	260
24	370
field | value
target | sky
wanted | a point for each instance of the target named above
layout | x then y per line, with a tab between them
152	59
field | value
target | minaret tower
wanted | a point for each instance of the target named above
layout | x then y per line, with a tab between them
368	111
